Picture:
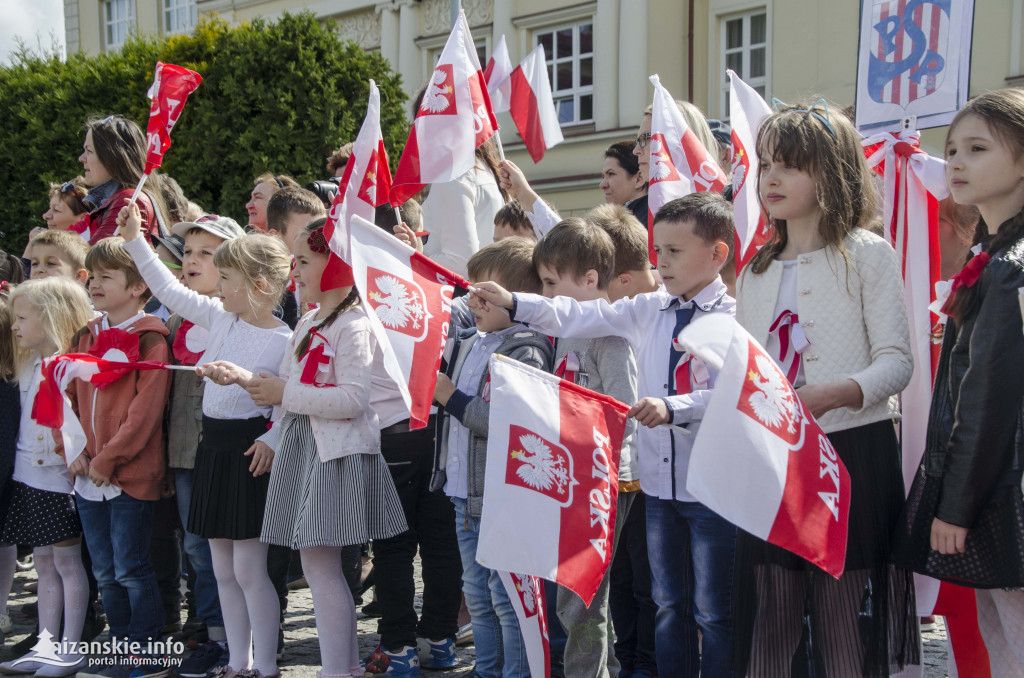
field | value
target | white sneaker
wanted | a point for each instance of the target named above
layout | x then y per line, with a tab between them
5	623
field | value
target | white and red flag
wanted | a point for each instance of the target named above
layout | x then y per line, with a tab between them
454	118
760	460
533	108
408	297
526	593
552	477
746	111
365	184
679	165
171	87
499	68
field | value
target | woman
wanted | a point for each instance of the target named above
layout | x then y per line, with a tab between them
619	175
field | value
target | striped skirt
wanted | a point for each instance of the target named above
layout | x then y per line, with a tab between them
350	500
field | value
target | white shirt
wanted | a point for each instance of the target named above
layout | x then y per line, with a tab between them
36	462
257	349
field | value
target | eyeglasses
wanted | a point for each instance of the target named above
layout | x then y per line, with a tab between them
641	141
824	119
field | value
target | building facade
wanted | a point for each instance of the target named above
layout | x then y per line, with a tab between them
600	55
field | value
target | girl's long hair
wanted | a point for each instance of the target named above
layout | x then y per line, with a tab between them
831	153
1003	113
348	302
62	306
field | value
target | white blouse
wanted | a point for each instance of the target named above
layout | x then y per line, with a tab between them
36	462
256	349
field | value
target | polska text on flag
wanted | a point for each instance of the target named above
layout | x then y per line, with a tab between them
171	87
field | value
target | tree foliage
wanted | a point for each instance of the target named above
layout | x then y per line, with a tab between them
276	96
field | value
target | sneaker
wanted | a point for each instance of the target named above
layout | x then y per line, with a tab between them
436	654
927	624
6	626
202	660
24	564
464	636
372	609
221	670
298	583
405	662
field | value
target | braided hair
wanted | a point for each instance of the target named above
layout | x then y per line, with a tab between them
315	229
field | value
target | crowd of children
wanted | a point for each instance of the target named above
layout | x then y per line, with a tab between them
290	435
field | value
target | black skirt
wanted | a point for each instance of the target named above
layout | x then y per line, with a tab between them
864	623
227	502
39	517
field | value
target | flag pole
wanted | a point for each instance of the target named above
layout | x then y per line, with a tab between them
135	196
501	149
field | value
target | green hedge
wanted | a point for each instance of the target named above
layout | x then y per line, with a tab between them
275	96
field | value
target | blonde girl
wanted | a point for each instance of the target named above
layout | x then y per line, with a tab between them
233	460
42	514
824	278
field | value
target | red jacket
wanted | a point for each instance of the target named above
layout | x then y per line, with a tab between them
124	422
103	219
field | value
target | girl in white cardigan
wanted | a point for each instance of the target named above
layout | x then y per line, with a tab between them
824	296
329	486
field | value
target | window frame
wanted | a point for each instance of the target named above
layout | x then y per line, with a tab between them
172	7
719	14
552	61
110	24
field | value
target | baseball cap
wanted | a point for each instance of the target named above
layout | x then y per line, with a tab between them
721	131
222	227
175	244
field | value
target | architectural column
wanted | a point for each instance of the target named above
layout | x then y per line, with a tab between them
606	64
634	87
410	57
389	35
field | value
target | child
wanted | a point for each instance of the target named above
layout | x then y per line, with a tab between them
692	237
461	448
58	253
633	273
823	276
41	514
229	492
329	487
576	259
966	499
511	220
289	210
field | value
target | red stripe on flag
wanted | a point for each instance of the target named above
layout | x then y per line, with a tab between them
407	173
526	114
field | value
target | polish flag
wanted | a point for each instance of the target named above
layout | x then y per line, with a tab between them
497	73
365	185
551	481
760	460
171	87
454	118
533	109
679	165
526	593
410	298
746	110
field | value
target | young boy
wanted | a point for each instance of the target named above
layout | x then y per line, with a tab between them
461	448
633	274
691	548
576	260
511	220
289	210
60	253
118	475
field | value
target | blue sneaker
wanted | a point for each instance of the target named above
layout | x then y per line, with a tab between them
208	656
405	662
437	654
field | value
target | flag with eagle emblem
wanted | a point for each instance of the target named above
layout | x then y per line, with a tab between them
552	477
760	460
526	593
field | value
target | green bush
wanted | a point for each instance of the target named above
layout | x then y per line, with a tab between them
275	96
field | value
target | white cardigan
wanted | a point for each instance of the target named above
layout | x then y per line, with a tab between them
855	319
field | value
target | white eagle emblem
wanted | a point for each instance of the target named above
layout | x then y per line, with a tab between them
539	469
394	305
529	596
661	163
435	99
774	402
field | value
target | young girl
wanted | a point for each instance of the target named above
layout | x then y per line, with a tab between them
824	278
965	514
41	514
232	463
329	487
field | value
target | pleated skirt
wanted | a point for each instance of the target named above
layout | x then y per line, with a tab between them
227	501
310	502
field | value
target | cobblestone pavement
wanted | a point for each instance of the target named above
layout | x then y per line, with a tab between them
302	650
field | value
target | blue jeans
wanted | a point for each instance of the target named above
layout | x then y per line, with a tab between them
118	533
691	550
198	551
499	642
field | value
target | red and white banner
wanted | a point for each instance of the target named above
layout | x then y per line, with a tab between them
533	108
364	185
526	593
679	165
760	460
746	110
497	73
454	118
171	87
552	478
409	297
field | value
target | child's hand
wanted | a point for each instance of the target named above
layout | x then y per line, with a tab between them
129	222
224	373
97	478
650	412
262	458
948	539
266	390
79	467
492	293
443	389
408	236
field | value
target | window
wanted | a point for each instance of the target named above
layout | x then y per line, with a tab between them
118	21
570	57
745	51
179	15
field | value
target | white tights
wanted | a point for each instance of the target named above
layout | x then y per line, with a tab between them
248	602
335	611
8	556
62	586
